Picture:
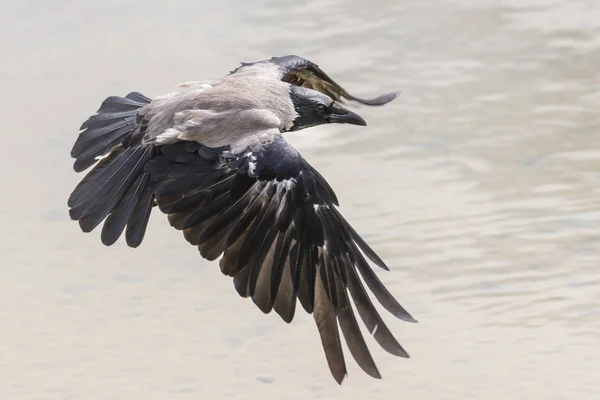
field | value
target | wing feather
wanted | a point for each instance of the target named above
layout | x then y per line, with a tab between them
281	239
299	71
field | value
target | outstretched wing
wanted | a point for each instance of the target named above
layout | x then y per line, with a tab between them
273	217
302	72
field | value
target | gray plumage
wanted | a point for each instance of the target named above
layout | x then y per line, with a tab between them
214	160
250	107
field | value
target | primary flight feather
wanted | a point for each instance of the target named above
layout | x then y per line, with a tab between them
214	159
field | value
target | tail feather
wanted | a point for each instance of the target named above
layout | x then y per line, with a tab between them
115	190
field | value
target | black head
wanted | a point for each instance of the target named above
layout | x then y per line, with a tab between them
315	108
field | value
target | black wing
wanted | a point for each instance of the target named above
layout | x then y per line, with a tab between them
302	72
274	218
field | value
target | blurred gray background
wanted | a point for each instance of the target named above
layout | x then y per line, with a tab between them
479	186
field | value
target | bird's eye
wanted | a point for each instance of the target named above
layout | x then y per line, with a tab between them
321	108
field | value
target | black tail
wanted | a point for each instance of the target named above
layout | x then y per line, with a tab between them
116	188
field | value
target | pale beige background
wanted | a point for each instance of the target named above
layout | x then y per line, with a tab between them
480	186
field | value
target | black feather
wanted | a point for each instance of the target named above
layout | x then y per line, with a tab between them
138	97
324	192
90	142
100	120
262	241
305	277
287	212
280	257
81	191
92	189
285	298
185	154
132	101
162	167
226	218
178	186
240	281
138	222
112	190
351	330
113	123
229	262
214	247
369	314
281	237
325	319
245	219
205	211
327	262
381	293
361	243
119	216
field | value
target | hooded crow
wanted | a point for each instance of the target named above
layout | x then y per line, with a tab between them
213	158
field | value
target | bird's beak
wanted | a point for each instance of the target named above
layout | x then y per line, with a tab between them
340	115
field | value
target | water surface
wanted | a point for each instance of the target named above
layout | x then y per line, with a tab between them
479	186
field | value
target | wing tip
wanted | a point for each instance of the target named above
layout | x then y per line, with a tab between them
340	378
377	101
133	243
403	354
108	238
399	312
410	319
381	265
384	98
373	372
402	314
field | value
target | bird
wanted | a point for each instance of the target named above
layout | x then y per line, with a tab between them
213	158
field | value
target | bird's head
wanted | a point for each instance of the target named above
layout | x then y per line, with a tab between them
315	108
